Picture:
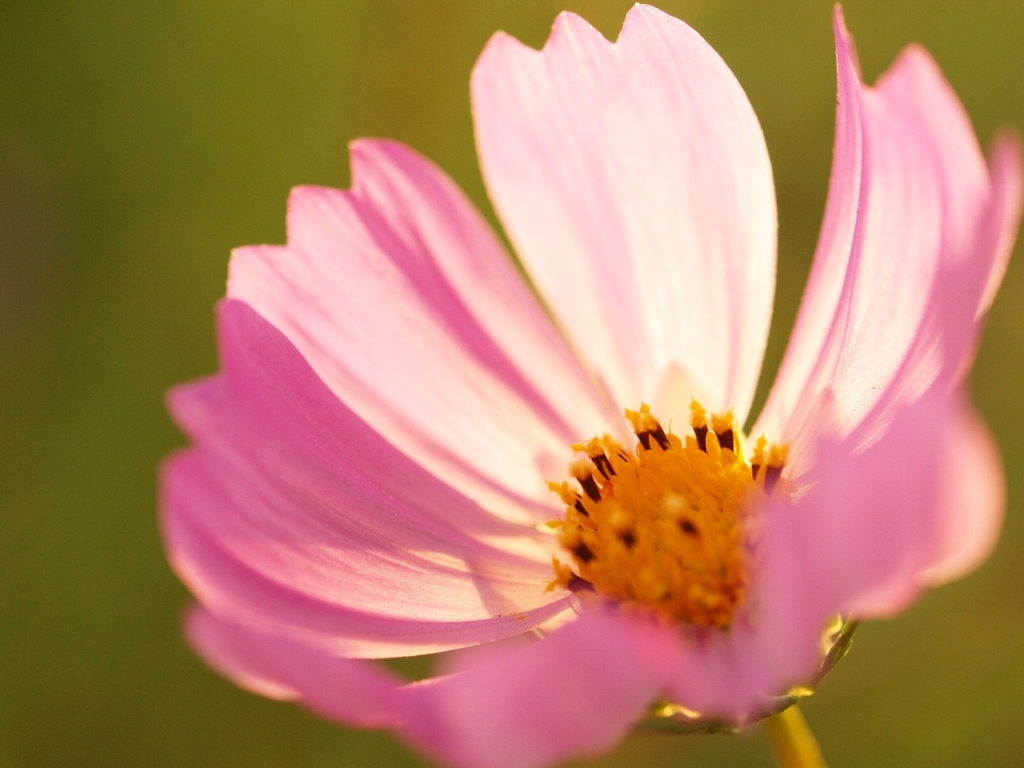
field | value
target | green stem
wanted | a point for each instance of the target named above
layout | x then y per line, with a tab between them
792	741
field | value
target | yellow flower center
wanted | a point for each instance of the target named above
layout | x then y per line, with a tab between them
666	525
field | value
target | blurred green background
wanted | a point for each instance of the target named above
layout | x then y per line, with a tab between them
140	141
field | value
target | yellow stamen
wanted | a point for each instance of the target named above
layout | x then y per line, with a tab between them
664	526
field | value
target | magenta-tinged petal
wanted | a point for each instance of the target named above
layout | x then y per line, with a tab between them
351	691
291	513
634	181
915	239
406	305
574	693
737	674
972	498
878	526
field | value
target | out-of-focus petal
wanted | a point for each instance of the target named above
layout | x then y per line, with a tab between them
352	691
290	511
972	498
915	240
1008	189
406	305
878	526
633	179
737	674
574	693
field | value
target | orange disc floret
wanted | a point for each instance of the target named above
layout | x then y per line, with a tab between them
664	525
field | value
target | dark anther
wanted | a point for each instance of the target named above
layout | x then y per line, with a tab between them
645	439
577	584
589	485
603	465
583	553
755	469
578	506
771	477
702	437
628	539
662	438
689	528
726	440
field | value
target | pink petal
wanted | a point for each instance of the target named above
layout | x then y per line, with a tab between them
634	181
915	240
878	526
574	693
292	513
972	499
406	305
737	674
1005	213
352	691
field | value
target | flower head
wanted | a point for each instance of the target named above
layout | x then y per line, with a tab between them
407	451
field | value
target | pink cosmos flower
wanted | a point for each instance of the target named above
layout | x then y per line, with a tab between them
369	471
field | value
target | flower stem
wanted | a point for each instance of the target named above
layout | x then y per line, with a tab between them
793	744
